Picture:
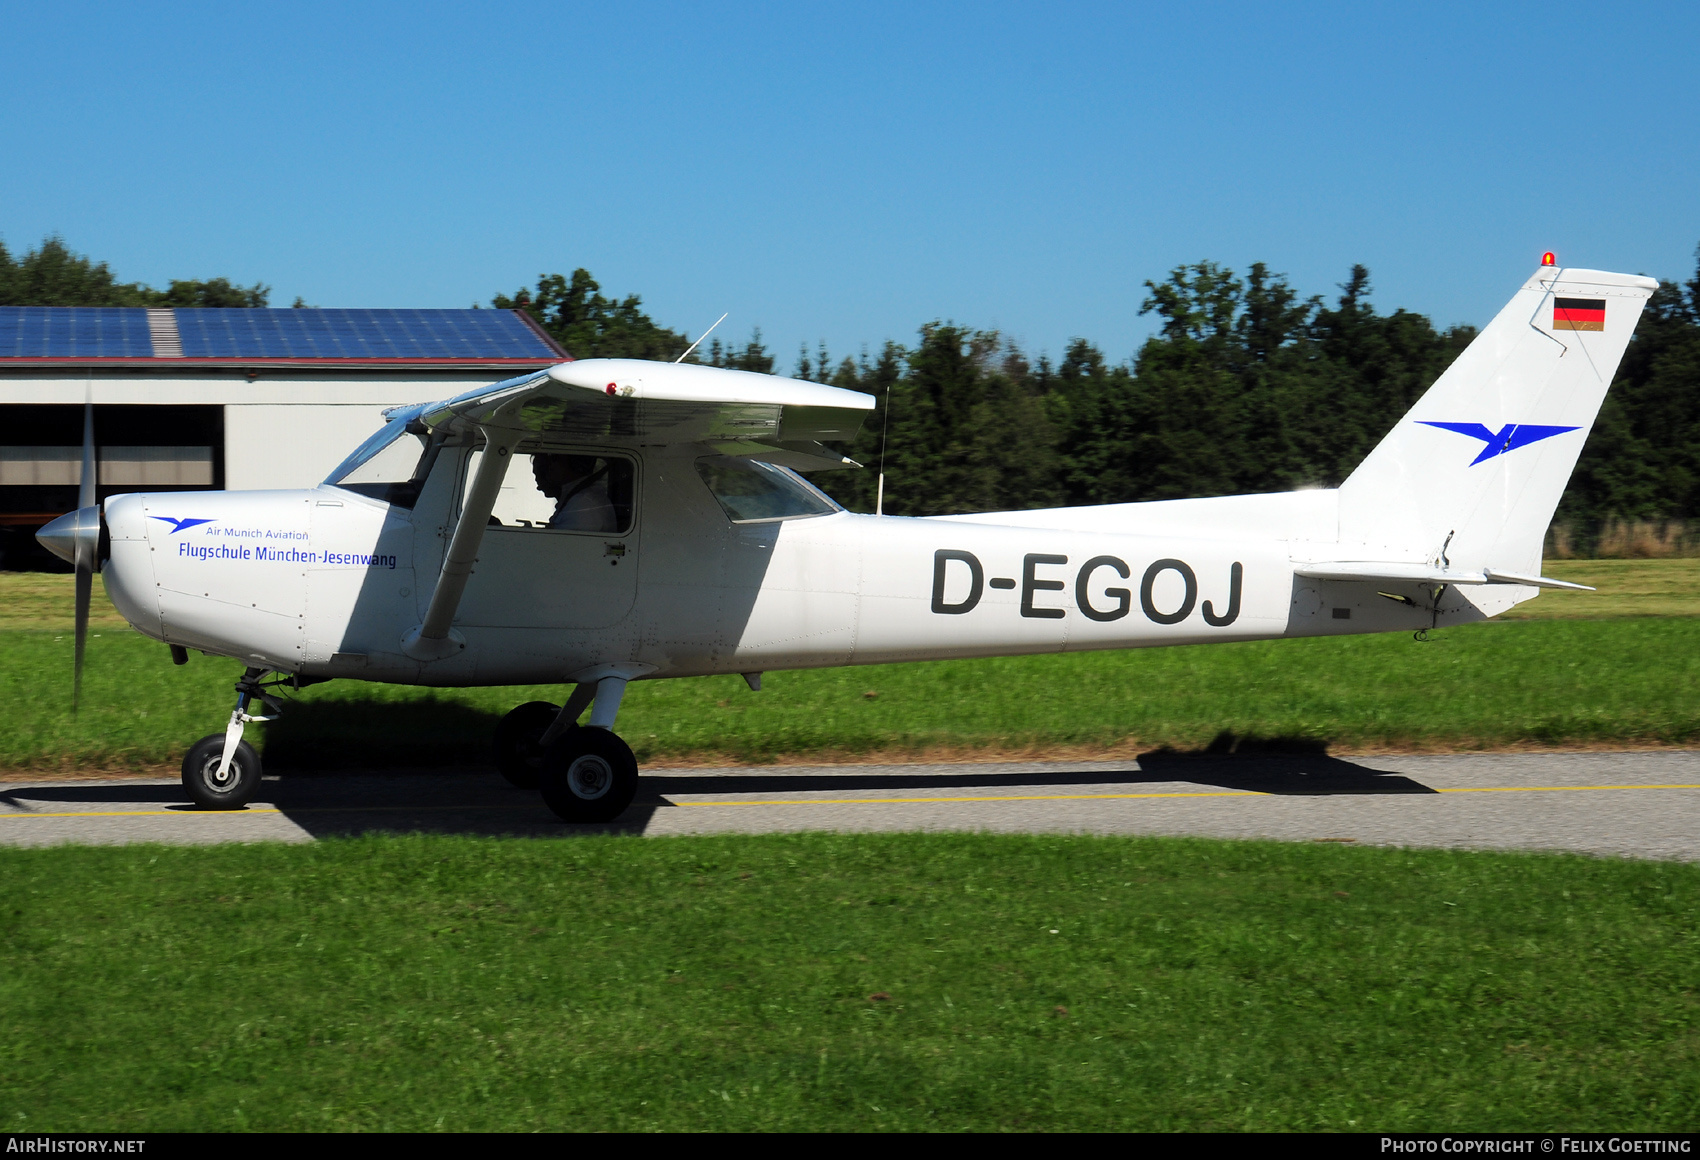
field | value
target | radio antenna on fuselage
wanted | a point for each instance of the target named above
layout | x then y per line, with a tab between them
885	425
705	334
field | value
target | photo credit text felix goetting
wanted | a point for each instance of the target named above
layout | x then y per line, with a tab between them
1554	1145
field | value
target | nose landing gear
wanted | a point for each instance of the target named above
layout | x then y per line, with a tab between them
221	771
212	789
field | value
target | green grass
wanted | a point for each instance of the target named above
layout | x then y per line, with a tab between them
1624	588
1559	682
48	600
725	983
1559	676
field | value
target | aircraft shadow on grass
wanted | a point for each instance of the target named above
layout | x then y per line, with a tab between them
1283	775
329	737
426	796
314	736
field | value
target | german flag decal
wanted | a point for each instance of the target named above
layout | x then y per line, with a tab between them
1578	313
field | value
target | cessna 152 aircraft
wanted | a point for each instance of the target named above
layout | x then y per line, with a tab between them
612	520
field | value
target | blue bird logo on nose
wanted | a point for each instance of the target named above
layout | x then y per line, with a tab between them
1508	438
179	525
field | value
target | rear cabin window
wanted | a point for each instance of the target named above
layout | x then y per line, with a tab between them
750	491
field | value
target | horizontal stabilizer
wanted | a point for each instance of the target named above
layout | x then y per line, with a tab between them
1495	576
1385	572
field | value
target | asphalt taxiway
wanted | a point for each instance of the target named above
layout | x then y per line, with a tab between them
1639	804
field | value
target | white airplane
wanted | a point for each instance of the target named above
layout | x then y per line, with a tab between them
613	520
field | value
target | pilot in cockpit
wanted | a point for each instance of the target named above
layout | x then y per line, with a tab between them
579	488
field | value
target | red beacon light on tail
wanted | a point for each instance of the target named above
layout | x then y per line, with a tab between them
1549	259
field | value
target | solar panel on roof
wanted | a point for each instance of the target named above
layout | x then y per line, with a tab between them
357	334
123	332
75	332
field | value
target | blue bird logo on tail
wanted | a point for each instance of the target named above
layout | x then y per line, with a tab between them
1508	438
179	525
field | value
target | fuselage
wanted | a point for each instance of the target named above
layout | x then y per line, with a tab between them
326	582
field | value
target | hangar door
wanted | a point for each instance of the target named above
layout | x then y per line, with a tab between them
137	448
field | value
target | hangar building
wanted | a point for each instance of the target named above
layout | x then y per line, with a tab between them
209	398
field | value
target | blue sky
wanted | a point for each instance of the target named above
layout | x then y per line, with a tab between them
848	172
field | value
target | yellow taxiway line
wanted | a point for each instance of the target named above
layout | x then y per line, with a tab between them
1092	797
891	801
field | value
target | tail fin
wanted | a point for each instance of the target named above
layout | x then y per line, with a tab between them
1475	469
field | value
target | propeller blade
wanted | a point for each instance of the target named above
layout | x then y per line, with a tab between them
85	589
85	492
85	553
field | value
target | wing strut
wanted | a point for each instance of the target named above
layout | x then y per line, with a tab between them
433	639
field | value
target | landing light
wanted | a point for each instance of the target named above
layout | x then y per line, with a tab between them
1549	259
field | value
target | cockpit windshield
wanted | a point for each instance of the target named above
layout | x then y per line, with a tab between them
390	466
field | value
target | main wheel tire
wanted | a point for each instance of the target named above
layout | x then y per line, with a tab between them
518	754
200	774
588	775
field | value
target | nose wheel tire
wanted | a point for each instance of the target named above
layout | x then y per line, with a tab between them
203	783
518	754
588	775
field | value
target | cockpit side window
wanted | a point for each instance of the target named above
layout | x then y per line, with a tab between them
749	490
565	491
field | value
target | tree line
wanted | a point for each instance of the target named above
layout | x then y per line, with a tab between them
1246	386
51	275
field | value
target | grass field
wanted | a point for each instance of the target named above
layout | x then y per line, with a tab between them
869	982
1625	588
1565	680
824	981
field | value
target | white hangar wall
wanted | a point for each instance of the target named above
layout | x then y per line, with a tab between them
279	430
291	444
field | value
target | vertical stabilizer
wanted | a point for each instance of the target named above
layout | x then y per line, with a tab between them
1476	468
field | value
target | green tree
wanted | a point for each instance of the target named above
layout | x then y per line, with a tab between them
52	275
752	357
857	490
1098	414
1382	366
1246	387
1642	460
963	426
217	292
589	325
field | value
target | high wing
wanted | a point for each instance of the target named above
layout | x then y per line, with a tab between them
610	400
621	401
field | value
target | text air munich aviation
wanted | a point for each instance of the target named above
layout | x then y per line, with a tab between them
612	520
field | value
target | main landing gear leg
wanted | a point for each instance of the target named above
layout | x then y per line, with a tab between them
588	774
222	771
567	718
524	733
